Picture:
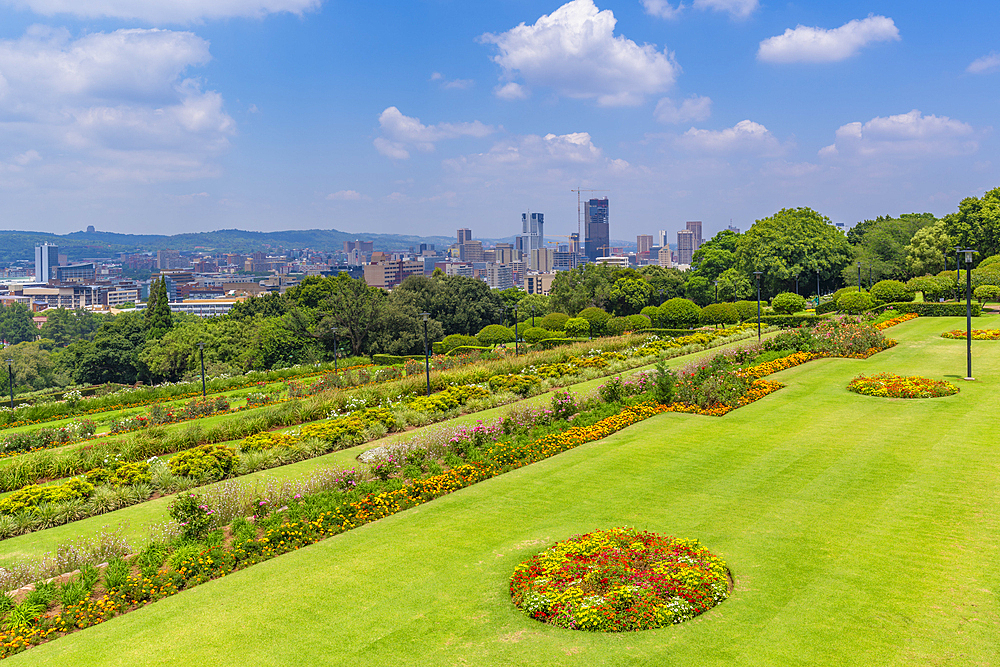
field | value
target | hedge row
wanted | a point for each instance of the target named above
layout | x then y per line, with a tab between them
933	309
394	359
796	320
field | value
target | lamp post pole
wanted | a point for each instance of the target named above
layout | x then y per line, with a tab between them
532	316
335	369
757	276
427	354
716	291
796	284
859	277
515	330
10	380
201	354
968	312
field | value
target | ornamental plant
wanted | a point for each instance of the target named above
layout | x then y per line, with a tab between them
192	515
892	291
890	385
855	303
619	580
977	334
204	462
788	303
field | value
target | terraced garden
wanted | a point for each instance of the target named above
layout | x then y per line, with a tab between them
858	530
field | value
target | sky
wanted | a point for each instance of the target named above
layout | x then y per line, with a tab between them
420	117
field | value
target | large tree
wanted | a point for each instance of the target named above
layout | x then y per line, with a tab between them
16	324
793	241
158	318
976	225
928	250
716	255
882	247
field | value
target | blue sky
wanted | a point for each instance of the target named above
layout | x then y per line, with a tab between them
421	117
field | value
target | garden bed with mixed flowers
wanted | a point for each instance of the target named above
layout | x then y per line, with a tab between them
977	334
619	580
890	385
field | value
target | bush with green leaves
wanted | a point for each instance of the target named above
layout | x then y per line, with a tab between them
612	391
495	334
986	293
892	291
598	319
616	326
207	462
32	496
653	313
663	382
454	340
639	322
535	334
130	474
719	313
679	313
554	321
932	287
747	310
855	303
192	515
788	303
577	327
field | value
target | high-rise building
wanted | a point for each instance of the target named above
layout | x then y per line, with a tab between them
46	261
541	259
661	238
532	235
685	246
504	253
574	243
464	236
471	251
735	230
695	227
597	236
643	243
664	257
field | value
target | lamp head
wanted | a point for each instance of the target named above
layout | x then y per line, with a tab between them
201	346
968	254
426	316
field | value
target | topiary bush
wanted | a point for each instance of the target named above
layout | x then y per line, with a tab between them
598	319
653	313
577	327
204	462
747	310
638	322
986	293
679	313
719	313
495	334
892	291
554	321
616	326
788	303
454	340
855	303
535	334
932	287
826	307
847	290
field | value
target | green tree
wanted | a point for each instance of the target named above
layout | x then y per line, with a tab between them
311	292
271	304
719	313
113	355
17	324
630	295
882	250
793	242
928	250
399	328
734	285
597	318
158	318
667	283
350	310
700	290
462	305
716	255
977	224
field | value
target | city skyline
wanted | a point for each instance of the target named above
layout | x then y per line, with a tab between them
261	114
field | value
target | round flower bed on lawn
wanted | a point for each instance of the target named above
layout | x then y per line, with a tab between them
619	580
977	334
890	385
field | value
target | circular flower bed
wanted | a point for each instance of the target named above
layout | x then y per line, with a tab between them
977	334
890	385
619	580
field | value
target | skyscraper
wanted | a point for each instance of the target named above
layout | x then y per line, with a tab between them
596	233
685	246
46	261
695	227
661	238
464	235
643	242
532	235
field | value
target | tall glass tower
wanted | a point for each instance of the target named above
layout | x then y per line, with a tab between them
596	234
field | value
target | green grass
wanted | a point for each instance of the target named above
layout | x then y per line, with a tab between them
860	531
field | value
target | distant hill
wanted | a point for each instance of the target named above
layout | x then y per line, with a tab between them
15	245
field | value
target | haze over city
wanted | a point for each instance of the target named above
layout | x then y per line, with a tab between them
425	117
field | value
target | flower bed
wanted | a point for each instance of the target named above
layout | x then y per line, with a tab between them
619	580
890	385
906	317
977	334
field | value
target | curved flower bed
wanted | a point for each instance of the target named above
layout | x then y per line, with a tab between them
977	334
619	580
890	385
905	317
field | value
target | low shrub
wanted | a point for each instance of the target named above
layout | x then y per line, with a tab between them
394	359
679	313
192	515
520	384
130	474
826	307
452	341
535	334
797	320
935	309
554	321
578	327
855	303
495	334
32	496
747	310
449	398
788	303
597	318
892	291
719	313
204	462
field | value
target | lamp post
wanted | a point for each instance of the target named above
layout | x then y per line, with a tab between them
427	353
661	296
968	311
532	316
515	329
10	380
859	277
201	353
335	355
757	276
796	284
716	291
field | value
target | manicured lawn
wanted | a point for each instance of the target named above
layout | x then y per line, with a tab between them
860	531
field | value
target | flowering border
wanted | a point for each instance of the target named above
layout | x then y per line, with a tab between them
977	334
890	385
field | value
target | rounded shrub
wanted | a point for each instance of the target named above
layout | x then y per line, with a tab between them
719	313
855	303
457	340
747	310
932	287
986	293
577	327
788	303
616	326
554	321
495	334
653	313
847	290
892	291
992	260
638	322
679	314
535	334
598	319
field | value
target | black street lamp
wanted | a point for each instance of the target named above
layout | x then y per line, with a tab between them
532	316
515	329
859	277
427	353
757	276
10	380
796	284
716	291
968	311
335	355
201	353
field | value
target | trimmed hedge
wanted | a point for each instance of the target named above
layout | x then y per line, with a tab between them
394	359
671	333
549	343
933	309
796	320
465	349
828	307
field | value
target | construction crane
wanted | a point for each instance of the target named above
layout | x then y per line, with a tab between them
579	211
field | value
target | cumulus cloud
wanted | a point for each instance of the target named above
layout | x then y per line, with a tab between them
575	52
739	9
819	45
401	133
904	135
165	11
694	108
744	137
113	105
347	195
534	152
511	91
662	9
453	84
987	63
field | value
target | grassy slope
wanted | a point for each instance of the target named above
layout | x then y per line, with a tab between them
860	531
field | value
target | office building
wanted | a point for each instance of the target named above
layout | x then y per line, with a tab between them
538	283
564	261
168	259
643	243
614	260
734	230
661	238
694	226
597	237
46	260
361	246
685	246
664	257
76	273
532	236
388	274
498	276
464	236
504	253
541	259
471	251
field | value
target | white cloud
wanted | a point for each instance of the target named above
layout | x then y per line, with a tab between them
454	84
662	9
987	63
818	45
739	9
905	135
400	133
347	195
511	91
694	108
532	151
574	51
744	137
165	11
112	105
